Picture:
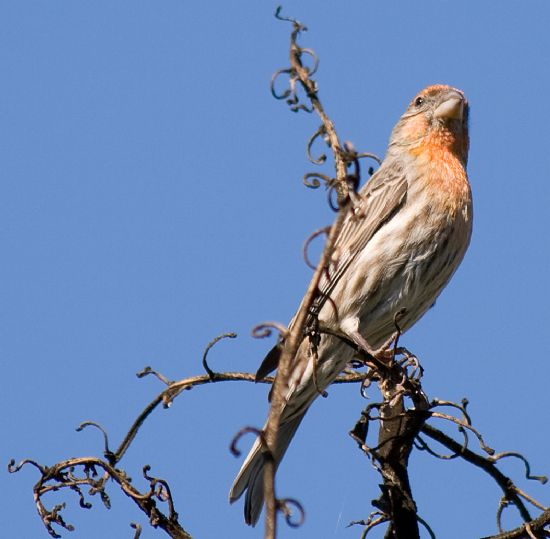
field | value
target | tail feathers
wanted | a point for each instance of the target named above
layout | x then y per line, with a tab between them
270	363
251	475
251	479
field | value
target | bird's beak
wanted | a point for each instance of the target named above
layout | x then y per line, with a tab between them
452	108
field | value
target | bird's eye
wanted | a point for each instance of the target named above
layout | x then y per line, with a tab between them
419	101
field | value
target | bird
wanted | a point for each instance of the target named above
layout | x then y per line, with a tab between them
399	246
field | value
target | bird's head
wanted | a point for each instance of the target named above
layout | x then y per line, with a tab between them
437	117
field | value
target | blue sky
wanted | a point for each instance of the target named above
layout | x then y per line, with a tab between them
151	198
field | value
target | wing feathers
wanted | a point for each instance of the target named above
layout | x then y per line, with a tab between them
382	197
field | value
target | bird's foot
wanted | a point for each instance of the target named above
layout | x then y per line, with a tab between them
383	355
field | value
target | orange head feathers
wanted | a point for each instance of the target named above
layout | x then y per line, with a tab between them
435	120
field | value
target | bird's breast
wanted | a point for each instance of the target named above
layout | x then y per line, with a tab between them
410	259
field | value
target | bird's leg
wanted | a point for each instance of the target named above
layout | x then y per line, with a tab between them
349	332
383	355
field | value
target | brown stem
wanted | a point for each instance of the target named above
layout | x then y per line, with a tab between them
398	430
295	335
173	390
145	502
292	342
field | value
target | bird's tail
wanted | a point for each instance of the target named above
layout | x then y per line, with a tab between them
251	475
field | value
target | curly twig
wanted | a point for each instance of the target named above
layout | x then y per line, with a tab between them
265	329
284	506
300	73
246	430
321	132
210	372
325	230
61	475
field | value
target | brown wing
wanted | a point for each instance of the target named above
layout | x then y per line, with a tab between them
383	196
269	364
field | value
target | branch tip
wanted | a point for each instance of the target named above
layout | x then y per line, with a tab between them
283	506
209	371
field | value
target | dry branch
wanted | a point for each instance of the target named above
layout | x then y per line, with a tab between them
63	475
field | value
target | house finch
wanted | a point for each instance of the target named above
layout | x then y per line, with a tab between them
399	246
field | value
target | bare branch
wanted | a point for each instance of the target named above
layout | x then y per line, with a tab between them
298	72
61	475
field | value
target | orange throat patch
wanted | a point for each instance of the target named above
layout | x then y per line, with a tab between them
441	153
